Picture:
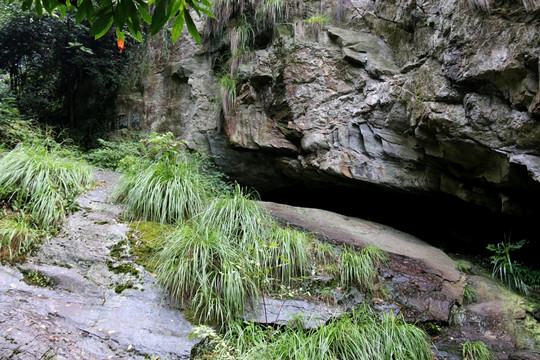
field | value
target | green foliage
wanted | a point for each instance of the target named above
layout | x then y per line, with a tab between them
504	269
363	334
164	191
476	351
204	271
17	235
127	13
227	89
42	181
37	278
14	129
462	266
318	19
59	75
110	154
221	258
469	294
360	268
169	185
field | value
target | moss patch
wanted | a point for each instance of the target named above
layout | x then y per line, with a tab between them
37	278
123	268
121	287
146	238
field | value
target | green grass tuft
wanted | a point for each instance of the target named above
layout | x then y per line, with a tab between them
42	181
476	351
469	294
165	192
360	268
226	255
462	266
17	235
362	334
204	272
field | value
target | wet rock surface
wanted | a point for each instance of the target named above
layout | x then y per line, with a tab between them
100	305
312	314
429	290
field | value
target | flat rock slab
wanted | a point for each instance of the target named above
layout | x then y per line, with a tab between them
312	314
421	277
82	316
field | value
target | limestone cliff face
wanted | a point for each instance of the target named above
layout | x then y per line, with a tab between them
420	96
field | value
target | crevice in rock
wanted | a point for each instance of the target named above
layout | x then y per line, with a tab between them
441	220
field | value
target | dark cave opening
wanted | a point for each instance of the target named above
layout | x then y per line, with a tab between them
440	220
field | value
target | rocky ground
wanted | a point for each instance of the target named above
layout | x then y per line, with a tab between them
424	281
97	307
99	304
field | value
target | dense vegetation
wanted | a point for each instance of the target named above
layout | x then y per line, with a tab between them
39	179
58	74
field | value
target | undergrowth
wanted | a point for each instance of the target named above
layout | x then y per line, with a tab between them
506	269
169	185
361	334
17	235
109	154
39	179
476	351
43	182
470	295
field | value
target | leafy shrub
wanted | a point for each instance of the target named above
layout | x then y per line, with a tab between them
43	182
476	351
111	153
14	129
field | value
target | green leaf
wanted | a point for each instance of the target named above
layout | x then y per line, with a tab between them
39	9
174	6
178	27
134	30
160	16
144	14
120	34
26	4
102	24
81	13
207	12
89	10
63	11
192	28
49	5
121	13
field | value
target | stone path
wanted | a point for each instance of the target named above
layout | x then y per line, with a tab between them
82	317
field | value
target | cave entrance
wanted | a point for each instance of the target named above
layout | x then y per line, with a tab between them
440	220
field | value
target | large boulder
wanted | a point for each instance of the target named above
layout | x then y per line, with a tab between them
419	96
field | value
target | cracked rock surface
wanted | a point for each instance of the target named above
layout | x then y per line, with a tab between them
82	316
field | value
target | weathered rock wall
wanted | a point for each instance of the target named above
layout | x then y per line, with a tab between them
420	96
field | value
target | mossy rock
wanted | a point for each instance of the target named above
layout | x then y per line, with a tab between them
146	238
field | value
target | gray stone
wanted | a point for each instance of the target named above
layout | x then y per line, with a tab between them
421	96
82	317
312	314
